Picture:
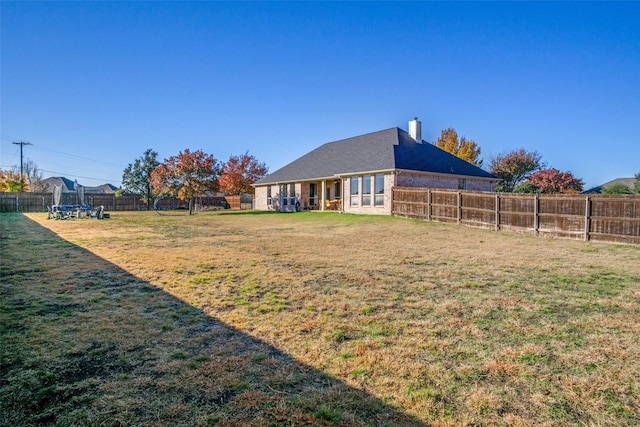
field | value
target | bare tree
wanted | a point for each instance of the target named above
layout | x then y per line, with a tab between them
33	177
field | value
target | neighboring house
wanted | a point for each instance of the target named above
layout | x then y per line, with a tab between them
101	189
629	182
357	174
69	186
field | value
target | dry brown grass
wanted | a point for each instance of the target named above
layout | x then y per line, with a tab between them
297	319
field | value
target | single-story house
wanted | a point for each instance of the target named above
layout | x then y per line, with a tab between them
356	174
67	185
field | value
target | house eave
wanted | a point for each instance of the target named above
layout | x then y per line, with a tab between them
324	178
371	172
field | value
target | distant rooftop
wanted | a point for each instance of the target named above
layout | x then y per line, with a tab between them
69	186
629	182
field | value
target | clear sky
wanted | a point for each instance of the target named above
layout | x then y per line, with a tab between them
93	85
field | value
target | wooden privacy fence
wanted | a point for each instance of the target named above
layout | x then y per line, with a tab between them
609	218
38	202
242	201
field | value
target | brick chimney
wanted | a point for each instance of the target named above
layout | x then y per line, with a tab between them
415	130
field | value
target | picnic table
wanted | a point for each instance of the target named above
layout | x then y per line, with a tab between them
70	211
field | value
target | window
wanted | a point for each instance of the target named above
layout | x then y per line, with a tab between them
462	184
366	190
292	194
283	195
338	187
269	196
327	195
379	189
355	183
313	194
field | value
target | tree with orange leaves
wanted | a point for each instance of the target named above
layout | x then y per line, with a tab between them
11	182
463	148
186	175
550	181
240	172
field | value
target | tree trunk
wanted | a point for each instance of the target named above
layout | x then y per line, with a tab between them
191	206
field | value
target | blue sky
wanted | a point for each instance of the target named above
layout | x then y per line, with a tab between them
93	85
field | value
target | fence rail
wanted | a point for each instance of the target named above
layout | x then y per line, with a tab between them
610	218
38	202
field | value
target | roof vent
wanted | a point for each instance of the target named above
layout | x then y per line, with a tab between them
415	130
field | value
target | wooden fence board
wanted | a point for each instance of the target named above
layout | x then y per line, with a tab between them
38	202
588	217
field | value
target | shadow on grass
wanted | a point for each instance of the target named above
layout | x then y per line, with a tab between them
86	343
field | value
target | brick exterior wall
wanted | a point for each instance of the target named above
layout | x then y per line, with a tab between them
390	180
261	199
368	210
432	181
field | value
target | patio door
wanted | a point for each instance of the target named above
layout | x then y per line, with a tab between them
283	196
313	194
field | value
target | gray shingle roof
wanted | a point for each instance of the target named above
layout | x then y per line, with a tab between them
390	149
68	186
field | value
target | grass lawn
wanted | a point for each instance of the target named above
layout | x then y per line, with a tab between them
241	318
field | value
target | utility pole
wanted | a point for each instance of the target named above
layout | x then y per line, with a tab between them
22	144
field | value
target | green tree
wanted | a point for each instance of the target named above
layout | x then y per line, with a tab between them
527	187
637	183
514	167
466	149
136	177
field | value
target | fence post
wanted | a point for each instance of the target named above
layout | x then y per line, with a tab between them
459	207
17	204
429	205
535	214
497	211
587	217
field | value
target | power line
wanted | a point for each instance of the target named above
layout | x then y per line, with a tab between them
22	144
38	147
77	157
78	176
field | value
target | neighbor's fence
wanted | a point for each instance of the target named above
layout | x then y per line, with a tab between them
610	218
243	201
38	202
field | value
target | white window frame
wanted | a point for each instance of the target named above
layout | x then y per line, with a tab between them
378	195
355	197
366	192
